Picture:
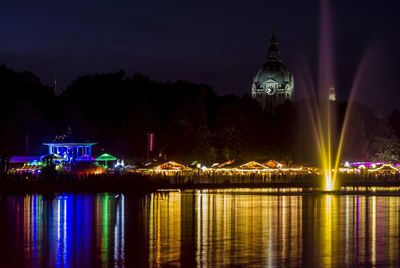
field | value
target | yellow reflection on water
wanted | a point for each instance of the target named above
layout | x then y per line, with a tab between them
216	229
328	227
392	227
164	231
32	225
27	225
373	231
224	228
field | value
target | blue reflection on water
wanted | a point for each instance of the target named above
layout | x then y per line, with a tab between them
61	228
119	233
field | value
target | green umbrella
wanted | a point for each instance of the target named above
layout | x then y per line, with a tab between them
106	157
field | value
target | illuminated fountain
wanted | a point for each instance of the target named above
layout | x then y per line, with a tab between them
329	142
322	111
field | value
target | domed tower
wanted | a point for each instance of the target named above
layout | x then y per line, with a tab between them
273	84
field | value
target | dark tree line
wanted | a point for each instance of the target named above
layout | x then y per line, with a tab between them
189	120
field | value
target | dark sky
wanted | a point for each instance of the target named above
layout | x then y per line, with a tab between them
219	42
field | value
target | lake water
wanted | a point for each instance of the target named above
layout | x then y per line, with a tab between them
233	228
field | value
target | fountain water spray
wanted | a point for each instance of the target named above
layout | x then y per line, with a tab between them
322	112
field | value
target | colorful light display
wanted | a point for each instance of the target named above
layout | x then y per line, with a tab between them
71	151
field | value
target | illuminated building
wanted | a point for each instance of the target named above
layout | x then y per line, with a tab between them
71	151
273	84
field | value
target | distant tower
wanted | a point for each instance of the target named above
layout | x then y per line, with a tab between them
332	93
273	84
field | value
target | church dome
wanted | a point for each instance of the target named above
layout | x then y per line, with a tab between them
276	72
273	84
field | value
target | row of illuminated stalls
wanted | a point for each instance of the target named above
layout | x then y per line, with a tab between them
271	166
77	157
370	168
173	168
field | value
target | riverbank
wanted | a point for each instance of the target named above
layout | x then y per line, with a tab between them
139	183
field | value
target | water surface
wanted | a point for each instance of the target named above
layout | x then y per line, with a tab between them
199	228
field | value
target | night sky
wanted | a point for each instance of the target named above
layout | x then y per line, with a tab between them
221	43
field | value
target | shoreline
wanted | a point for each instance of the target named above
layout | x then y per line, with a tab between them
139	184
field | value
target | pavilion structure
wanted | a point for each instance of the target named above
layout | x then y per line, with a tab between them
71	151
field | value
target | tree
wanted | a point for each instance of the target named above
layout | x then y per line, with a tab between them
49	172
4	163
386	145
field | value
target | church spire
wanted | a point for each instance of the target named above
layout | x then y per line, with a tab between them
273	49
332	93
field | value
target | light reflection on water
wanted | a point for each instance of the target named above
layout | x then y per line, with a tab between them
199	228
